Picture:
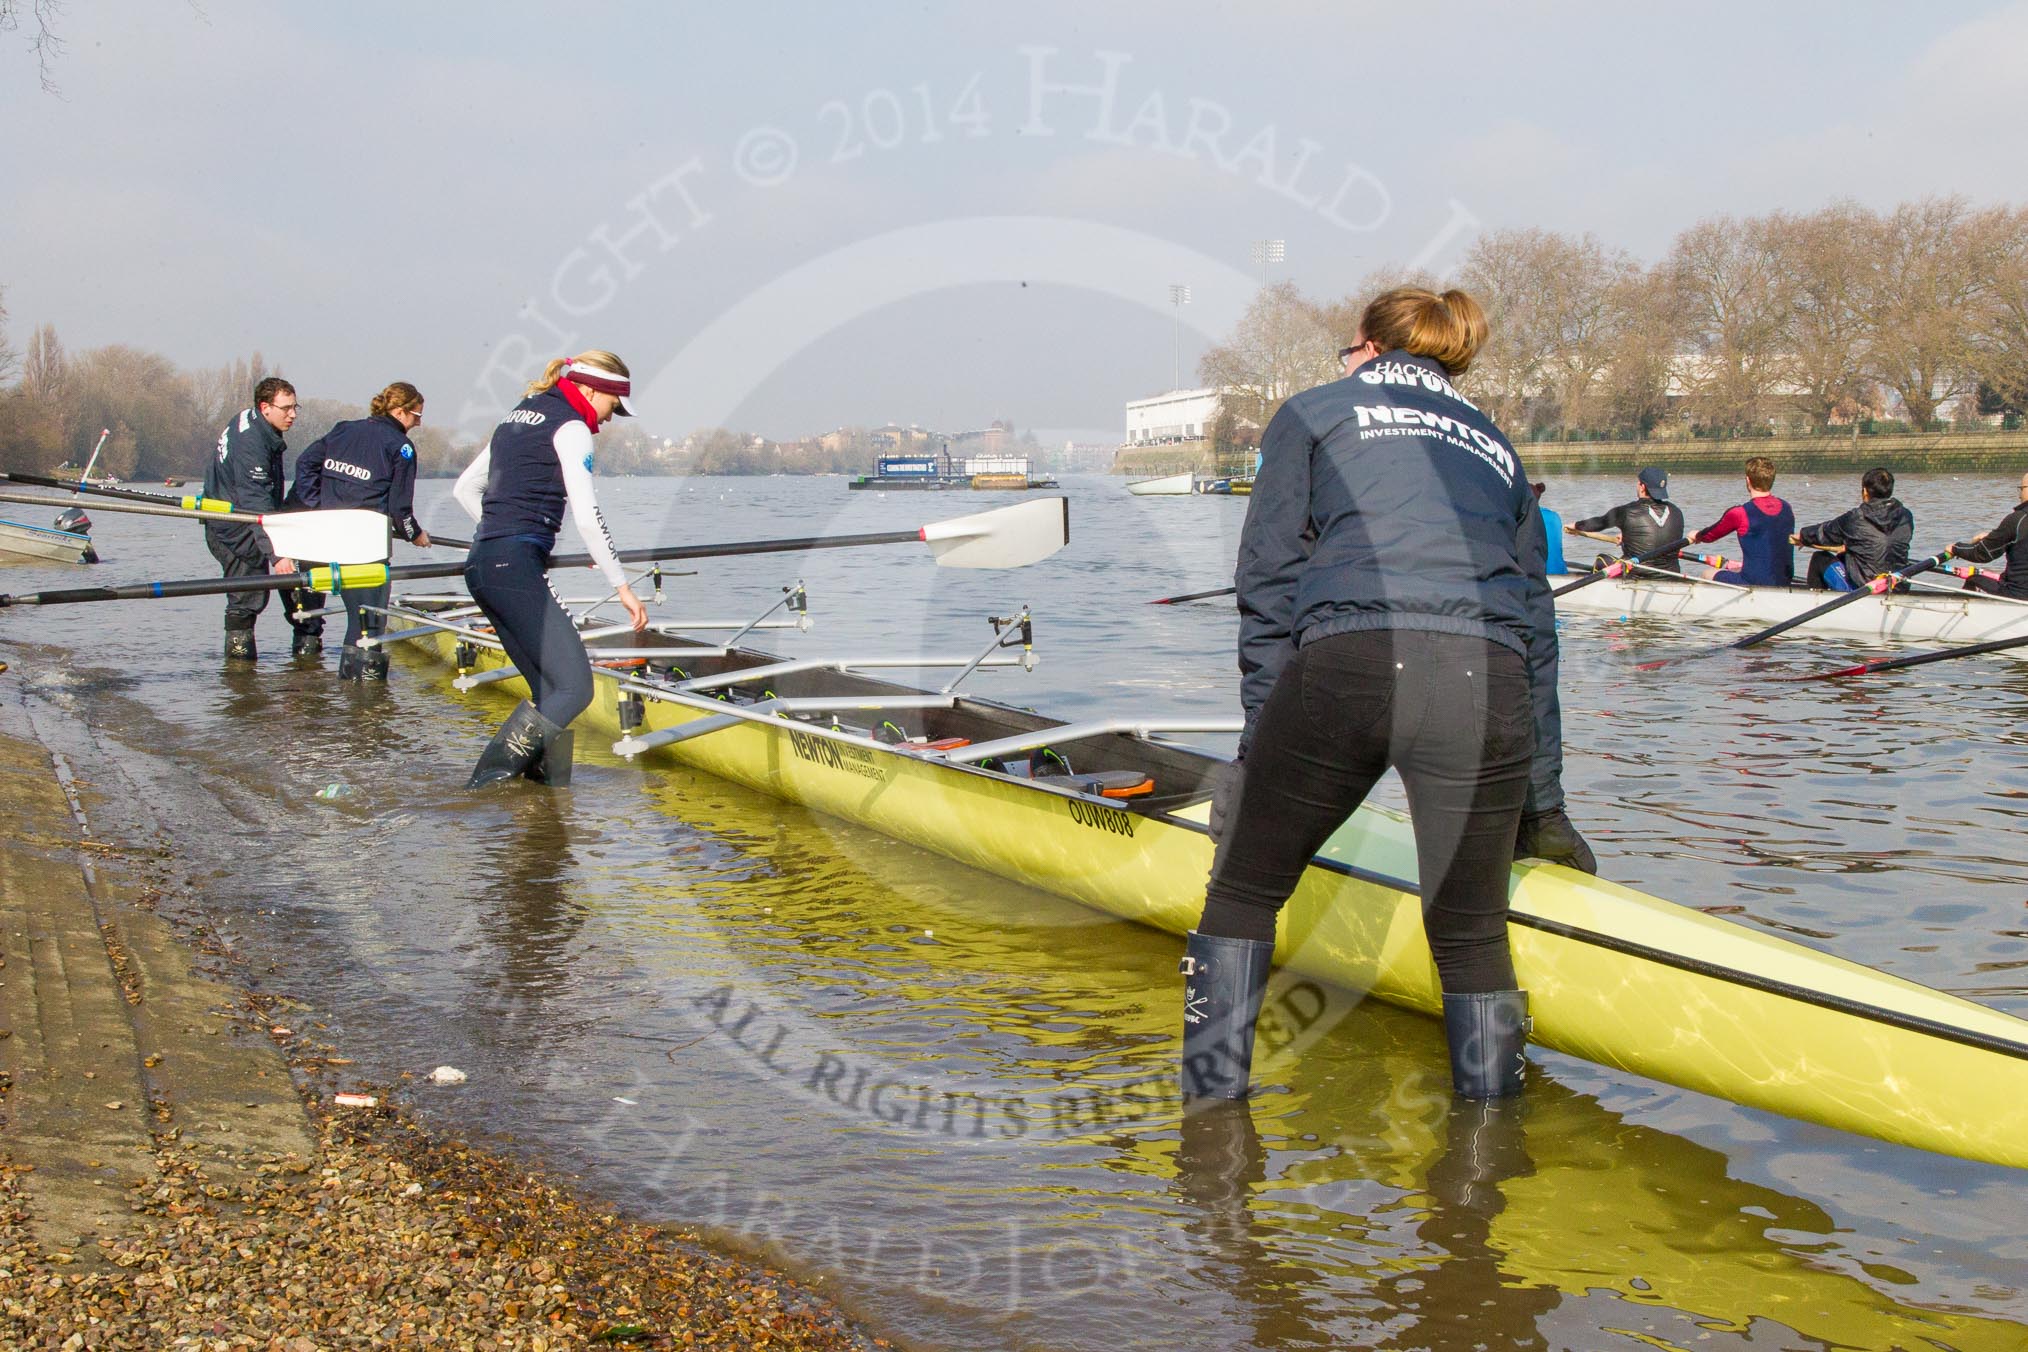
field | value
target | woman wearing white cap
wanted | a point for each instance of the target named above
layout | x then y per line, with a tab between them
538	459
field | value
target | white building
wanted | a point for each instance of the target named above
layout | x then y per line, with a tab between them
1179	415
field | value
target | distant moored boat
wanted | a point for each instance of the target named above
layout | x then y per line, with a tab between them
1169	485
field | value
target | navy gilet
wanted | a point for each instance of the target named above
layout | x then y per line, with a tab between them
1767	559
524	483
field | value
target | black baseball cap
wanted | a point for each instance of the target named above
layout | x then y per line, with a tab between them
1656	481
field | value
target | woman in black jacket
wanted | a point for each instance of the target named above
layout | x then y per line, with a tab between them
1394	613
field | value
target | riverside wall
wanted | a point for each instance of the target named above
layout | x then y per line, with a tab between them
1902	452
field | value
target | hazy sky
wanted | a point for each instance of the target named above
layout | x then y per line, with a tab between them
788	217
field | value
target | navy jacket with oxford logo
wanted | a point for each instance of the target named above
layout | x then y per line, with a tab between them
366	463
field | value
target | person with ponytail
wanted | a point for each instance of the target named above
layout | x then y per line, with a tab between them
539	461
1394	613
367	463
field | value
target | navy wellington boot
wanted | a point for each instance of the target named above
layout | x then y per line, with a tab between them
515	747
551	765
1488	1034
1224	981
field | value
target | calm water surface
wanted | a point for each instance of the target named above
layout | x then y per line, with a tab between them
864	1061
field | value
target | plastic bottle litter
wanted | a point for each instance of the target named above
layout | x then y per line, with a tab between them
355	1100
334	791
447	1075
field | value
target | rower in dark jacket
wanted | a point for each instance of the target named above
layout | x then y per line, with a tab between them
1875	537
2009	541
538	464
1764	525
367	463
1393	613
246	471
1648	523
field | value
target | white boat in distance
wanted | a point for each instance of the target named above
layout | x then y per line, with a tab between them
18	539
1169	485
1936	613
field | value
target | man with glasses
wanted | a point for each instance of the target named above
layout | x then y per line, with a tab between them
2009	541
247	472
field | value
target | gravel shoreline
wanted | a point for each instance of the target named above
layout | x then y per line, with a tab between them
176	1171
395	1236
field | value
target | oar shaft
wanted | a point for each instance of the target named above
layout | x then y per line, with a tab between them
1998	645
193	504
1193	596
352	577
1879	585
137	509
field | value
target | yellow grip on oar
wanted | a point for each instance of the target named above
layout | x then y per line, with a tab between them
348	577
206	505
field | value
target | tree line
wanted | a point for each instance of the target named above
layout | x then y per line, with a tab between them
164	421
1745	327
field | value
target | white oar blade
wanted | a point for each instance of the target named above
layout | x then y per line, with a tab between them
340	535
1010	537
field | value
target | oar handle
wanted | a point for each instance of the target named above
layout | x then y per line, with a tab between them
1622	566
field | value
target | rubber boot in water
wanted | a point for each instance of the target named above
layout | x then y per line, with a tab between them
551	765
306	645
1224	981
1488	1034
376	664
239	645
351	663
514	747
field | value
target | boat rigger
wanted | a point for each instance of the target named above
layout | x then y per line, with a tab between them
1112	813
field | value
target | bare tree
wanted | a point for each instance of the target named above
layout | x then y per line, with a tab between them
46	45
1736	301
43	415
222	391
1933	268
45	369
1580	314
157	428
1502	272
1282	346
2001	355
10	361
1641	352
1826	262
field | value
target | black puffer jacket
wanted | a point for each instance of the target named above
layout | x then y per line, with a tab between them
1875	536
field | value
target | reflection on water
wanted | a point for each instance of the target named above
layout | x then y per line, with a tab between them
950	1094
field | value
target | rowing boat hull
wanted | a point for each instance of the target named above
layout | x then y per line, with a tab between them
1170	485
1614	976
36	542
1913	617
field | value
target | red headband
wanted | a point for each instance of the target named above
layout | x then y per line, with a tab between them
596	378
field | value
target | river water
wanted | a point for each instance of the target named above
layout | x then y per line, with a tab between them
848	1055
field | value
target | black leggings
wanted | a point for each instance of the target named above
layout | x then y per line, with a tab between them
506	578
360	621
1453	715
